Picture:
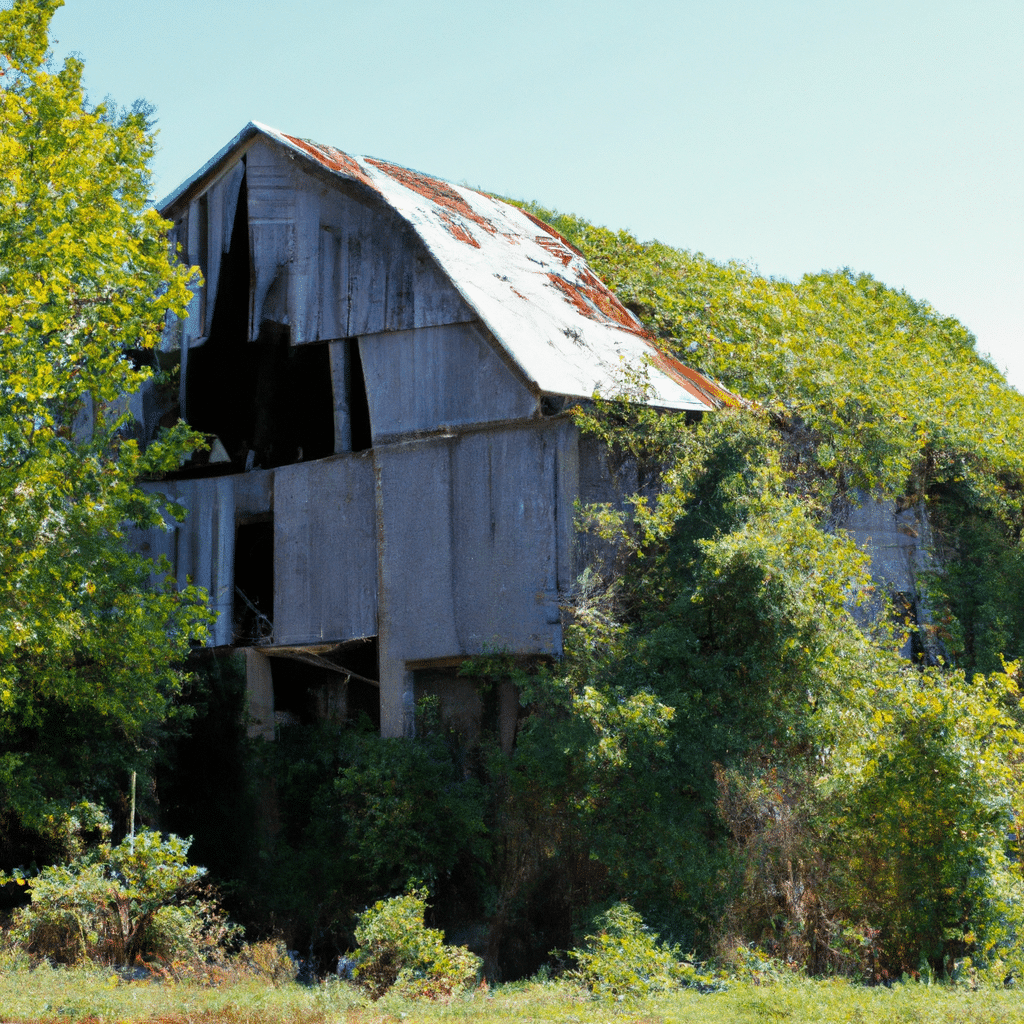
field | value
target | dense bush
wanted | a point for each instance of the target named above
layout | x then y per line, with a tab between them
625	959
116	904
397	951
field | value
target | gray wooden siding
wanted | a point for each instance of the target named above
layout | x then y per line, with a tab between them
434	377
325	551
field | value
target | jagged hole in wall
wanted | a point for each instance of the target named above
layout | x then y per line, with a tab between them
268	403
254	581
306	692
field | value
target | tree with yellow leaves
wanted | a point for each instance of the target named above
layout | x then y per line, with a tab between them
88	643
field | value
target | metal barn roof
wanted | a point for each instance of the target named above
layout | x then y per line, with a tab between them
563	328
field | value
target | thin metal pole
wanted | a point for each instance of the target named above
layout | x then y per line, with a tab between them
131	832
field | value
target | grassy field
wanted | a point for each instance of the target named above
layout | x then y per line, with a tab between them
98	995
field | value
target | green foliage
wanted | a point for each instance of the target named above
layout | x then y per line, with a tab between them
115	904
624	959
85	993
976	586
870	389
405	811
202	775
88	644
398	951
843	809
887	388
268	959
353	815
740	755
924	795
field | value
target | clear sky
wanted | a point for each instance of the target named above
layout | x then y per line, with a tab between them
796	135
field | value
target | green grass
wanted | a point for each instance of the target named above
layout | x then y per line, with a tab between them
44	994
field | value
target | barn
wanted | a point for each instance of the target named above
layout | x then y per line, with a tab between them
383	363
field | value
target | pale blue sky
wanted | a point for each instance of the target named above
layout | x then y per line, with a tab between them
885	136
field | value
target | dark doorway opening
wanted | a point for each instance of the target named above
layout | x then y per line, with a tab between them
312	687
362	657
254	581
309	403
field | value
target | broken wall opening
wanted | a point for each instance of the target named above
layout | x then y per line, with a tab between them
253	618
352	409
311	686
266	402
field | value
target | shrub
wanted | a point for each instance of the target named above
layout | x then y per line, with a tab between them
269	960
398	951
115	904
624	959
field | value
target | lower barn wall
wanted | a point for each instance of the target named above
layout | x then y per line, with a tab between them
442	547
325	551
476	533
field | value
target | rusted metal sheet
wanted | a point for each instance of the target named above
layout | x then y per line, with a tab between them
436	377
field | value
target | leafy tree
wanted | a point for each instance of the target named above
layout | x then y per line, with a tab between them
921	799
117	903
871	390
88	644
863	803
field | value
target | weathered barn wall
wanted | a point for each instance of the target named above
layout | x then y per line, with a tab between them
383	472
324	546
202	548
436	377
896	539
899	544
332	266
202	229
325	551
324	263
476	538
205	545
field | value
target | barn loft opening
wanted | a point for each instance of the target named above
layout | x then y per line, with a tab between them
218	377
264	403
311	685
253	619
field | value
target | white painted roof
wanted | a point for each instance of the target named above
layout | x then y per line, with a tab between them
564	329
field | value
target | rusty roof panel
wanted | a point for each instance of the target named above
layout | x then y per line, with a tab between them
333	159
563	328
